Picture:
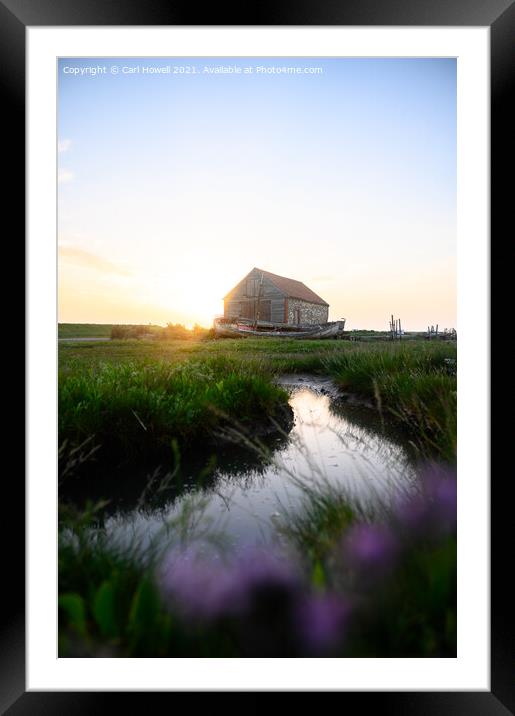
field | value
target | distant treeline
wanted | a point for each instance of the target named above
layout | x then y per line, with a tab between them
134	331
171	330
131	330
84	330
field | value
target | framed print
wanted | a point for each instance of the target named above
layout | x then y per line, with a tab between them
258	453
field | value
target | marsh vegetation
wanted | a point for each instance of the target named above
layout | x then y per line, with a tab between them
354	550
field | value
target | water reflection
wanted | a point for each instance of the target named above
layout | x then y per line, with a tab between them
329	444
225	456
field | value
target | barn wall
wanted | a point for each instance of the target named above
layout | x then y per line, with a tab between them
247	290
277	310
282	309
310	313
233	309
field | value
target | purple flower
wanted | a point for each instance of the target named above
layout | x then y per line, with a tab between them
202	586
440	487
412	512
433	509
445	496
321	621
370	547
258	568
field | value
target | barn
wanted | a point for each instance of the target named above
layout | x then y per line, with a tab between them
265	296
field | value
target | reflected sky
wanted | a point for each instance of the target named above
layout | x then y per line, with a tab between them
325	449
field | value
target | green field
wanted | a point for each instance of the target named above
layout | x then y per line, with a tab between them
279	354
88	330
276	354
84	330
111	380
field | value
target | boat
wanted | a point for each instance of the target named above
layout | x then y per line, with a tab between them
226	328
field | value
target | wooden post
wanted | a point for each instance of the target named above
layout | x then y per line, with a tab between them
257	306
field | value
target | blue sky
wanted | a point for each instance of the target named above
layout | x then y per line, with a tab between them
344	179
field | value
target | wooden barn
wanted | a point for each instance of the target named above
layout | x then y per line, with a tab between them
264	296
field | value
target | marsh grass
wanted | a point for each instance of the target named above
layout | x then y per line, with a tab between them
133	395
288	355
413	612
108	601
412	383
133	409
141	396
403	605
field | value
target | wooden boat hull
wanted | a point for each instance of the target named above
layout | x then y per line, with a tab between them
235	330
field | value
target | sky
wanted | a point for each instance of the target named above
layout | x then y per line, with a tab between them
175	179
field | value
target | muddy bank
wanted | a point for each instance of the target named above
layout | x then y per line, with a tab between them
354	408
318	384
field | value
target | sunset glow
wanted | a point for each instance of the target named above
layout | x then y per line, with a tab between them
172	187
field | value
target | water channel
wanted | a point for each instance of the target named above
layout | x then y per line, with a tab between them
333	444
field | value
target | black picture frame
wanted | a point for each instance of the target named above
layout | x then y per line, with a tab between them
499	16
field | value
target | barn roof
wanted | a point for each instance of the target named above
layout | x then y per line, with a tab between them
292	288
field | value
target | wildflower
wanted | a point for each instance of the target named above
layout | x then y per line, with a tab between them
370	548
198	585
205	587
321	621
440	488
433	509
258	567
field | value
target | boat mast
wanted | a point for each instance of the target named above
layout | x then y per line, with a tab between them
256	312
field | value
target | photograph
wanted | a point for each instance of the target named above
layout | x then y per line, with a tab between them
257	356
